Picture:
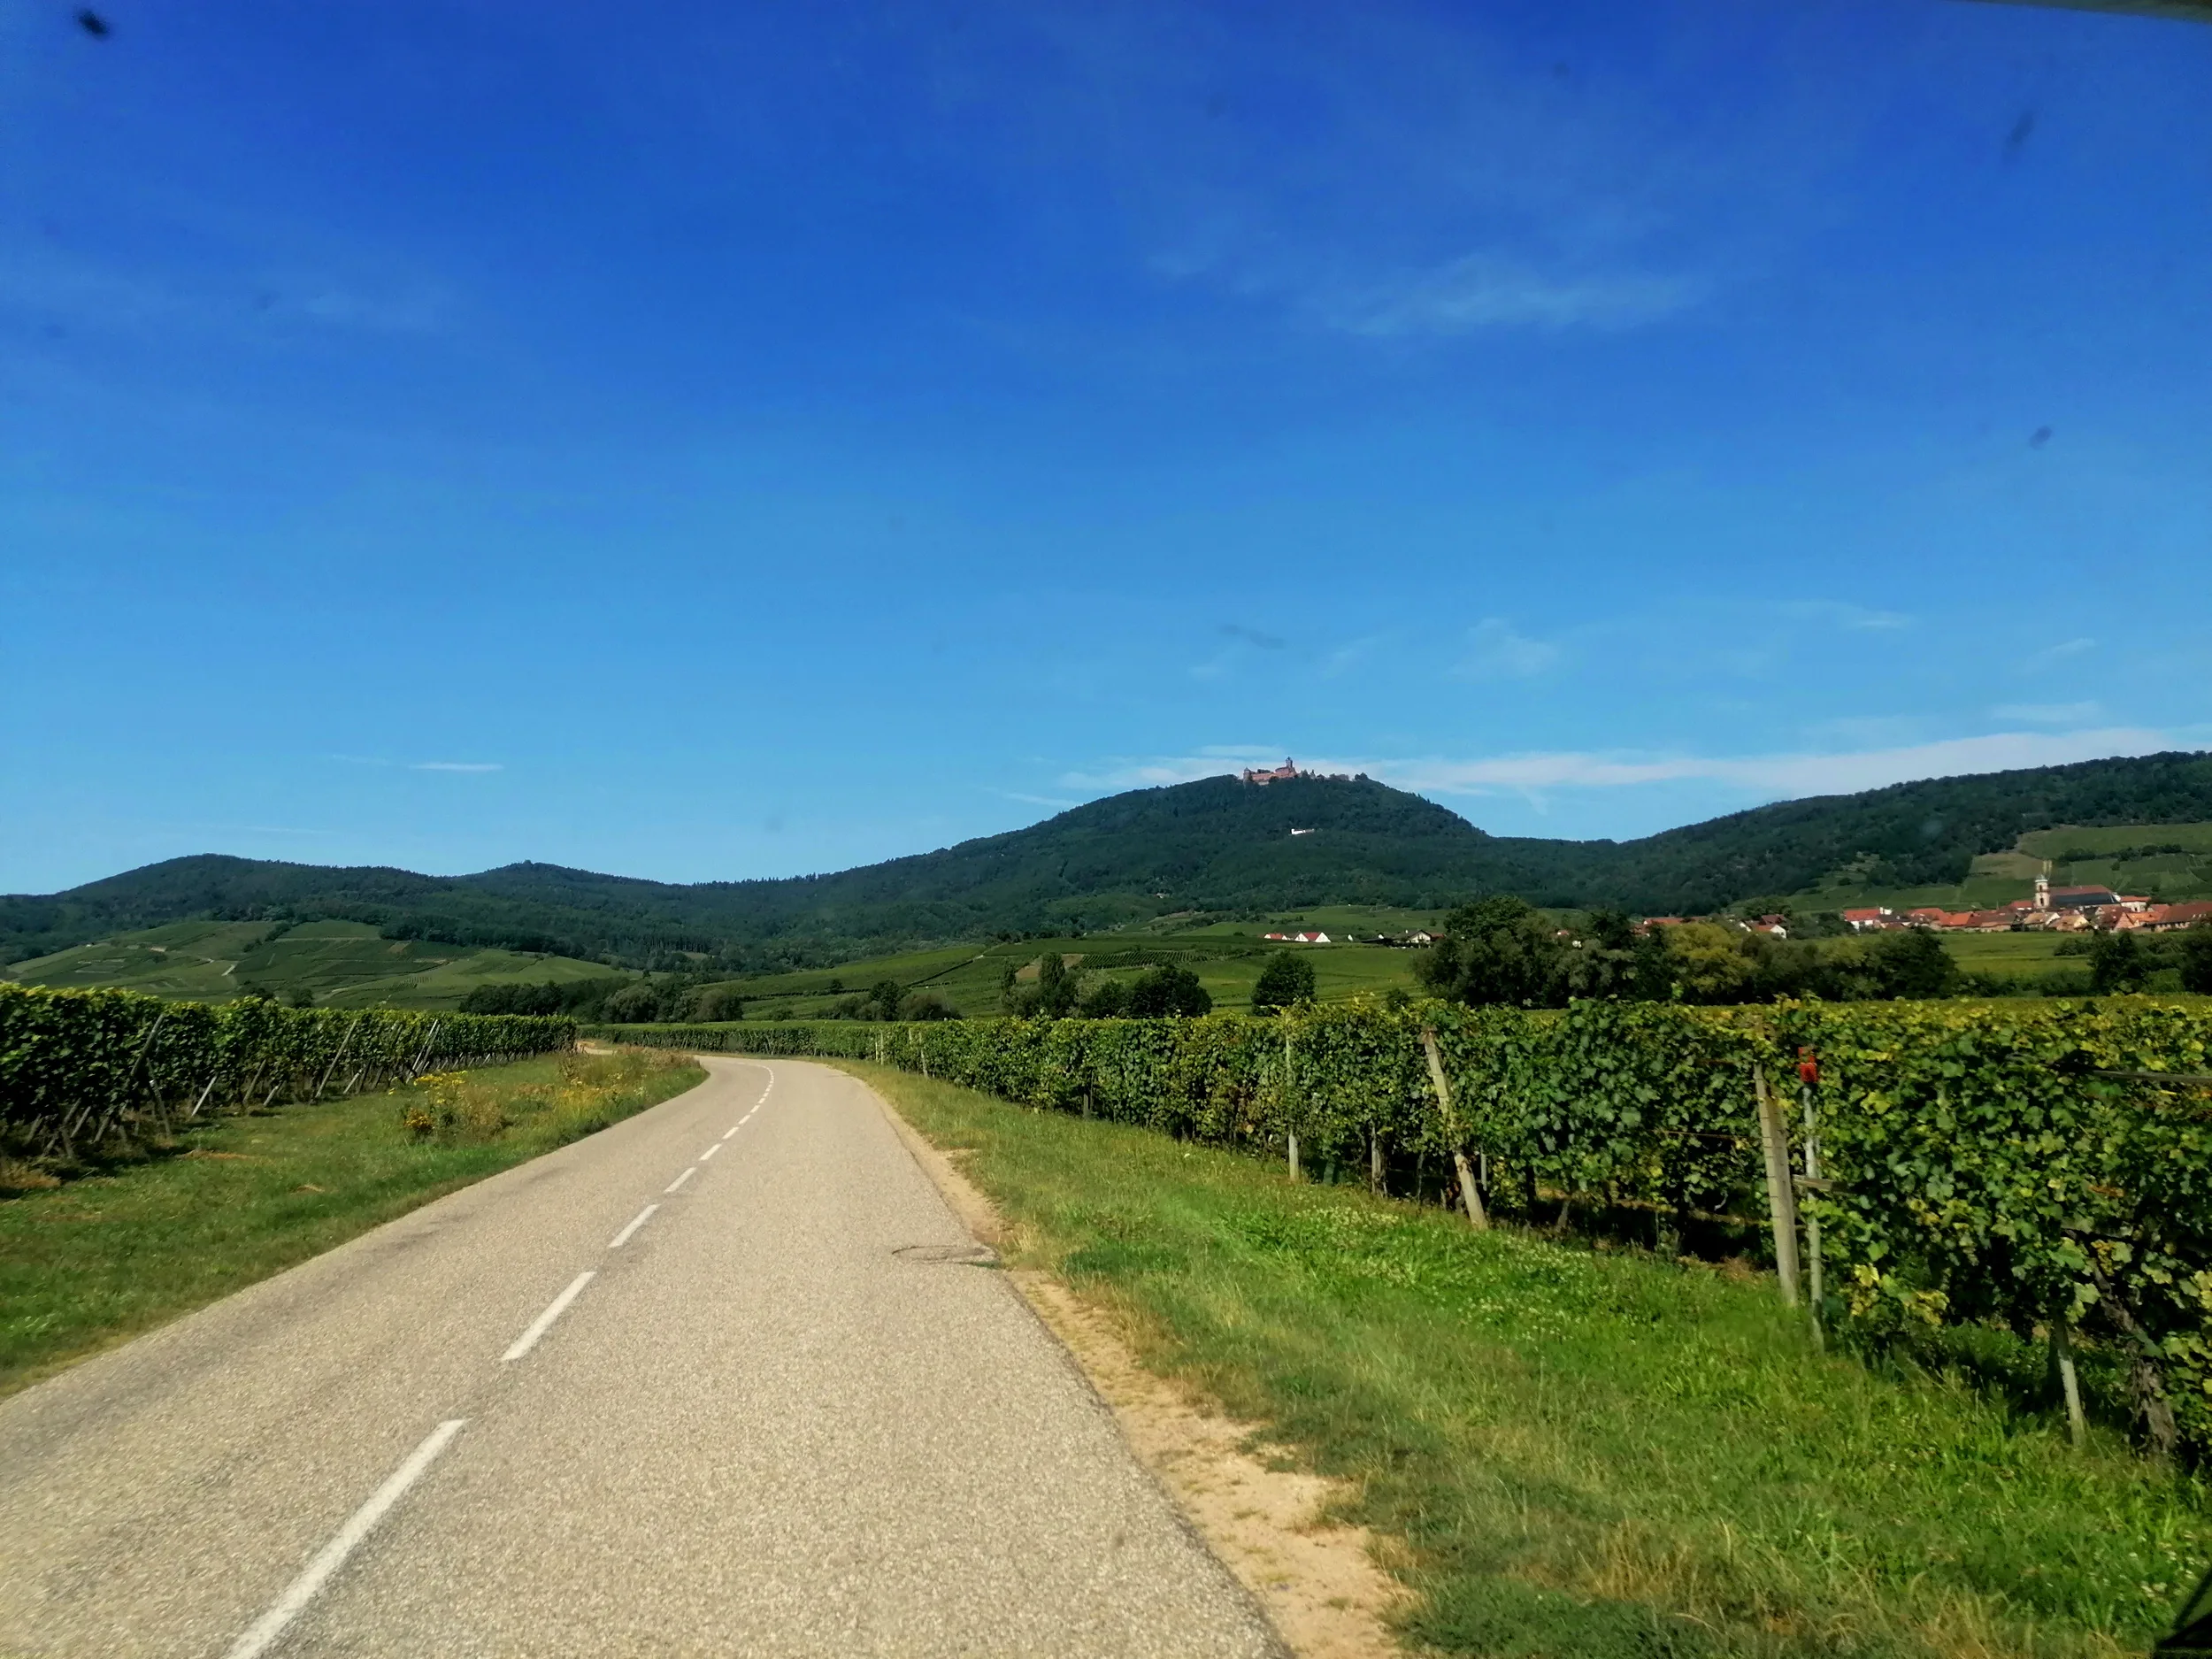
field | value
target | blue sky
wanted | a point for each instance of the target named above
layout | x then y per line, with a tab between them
711	441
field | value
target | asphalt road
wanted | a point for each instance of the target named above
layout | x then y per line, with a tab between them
752	1427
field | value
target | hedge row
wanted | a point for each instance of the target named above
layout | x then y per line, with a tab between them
1981	1160
79	1067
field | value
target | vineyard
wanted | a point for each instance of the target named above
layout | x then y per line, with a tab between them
80	1069
2046	1168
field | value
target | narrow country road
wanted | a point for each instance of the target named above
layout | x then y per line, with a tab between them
670	1390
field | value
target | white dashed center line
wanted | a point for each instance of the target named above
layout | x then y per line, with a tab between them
637	1221
680	1180
301	1591
543	1322
732	1130
709	1152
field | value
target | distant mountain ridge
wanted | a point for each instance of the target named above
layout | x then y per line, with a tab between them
1218	844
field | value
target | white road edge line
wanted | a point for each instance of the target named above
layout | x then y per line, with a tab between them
680	1180
709	1152
637	1221
543	1322
302	1590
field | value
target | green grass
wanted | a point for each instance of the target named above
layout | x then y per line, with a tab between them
102	1258
345	965
1585	1453
2014	955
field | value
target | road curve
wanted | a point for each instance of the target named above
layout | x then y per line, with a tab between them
751	1426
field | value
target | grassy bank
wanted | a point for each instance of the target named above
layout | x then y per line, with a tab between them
1585	1453
89	1263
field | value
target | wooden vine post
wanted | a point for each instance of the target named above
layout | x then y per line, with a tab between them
2063	1351
1469	1194
1781	1202
1816	1289
1290	1136
323	1082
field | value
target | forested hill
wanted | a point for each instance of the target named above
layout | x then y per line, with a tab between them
1216	844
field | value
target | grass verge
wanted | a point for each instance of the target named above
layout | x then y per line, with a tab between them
1585	1453
87	1264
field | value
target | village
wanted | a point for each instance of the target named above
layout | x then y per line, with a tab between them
2052	910
2060	909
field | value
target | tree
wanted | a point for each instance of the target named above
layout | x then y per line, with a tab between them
1056	987
1286	979
1913	964
1159	992
2115	963
634	1004
1109	999
1602	961
717	1003
925	1005
302	996
1500	949
1708	964
2196	958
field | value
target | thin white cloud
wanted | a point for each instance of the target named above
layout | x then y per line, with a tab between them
1859	619
1123	773
1348	656
1495	651
2049	713
1483	292
457	766
1785	776
1868	731
2056	654
1053	801
1782	776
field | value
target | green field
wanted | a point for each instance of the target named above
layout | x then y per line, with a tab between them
2014	955
1574	1451
344	964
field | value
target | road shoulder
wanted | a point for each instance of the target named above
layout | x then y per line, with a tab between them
1317	1582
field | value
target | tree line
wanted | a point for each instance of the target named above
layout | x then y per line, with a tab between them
1505	951
1058	992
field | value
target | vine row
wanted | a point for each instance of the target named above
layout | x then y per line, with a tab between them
80	1069
2047	1167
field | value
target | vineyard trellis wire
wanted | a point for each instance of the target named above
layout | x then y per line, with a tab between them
1977	1162
79	1068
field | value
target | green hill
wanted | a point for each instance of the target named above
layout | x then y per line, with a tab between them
1216	847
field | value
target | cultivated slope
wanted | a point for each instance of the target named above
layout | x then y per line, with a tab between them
1215	844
